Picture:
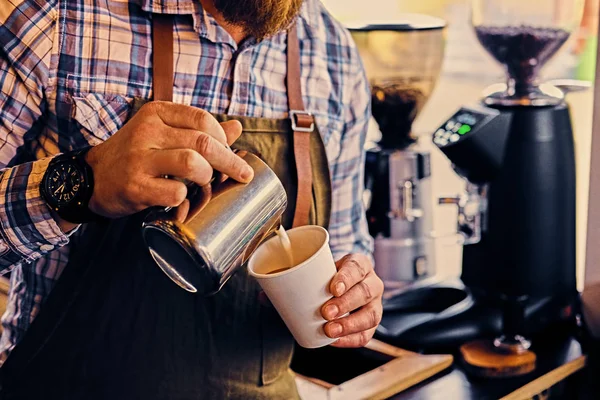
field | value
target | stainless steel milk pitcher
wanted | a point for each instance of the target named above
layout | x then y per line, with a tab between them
200	244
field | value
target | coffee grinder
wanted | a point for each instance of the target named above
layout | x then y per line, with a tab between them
515	149
403	58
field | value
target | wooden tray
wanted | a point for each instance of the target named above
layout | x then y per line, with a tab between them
403	371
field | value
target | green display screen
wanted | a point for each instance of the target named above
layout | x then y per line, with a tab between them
464	130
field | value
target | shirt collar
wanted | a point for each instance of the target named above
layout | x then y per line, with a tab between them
204	23
207	27
180	7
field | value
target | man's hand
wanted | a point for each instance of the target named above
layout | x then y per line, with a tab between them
357	288
162	139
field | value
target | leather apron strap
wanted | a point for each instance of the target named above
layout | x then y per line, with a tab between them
302	122
162	57
303	126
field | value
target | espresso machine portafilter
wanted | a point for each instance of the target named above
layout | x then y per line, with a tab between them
403	59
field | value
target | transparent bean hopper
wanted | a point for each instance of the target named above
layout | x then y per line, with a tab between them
523	36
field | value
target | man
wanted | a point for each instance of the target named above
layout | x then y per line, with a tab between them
84	155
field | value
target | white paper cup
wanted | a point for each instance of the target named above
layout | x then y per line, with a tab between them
298	293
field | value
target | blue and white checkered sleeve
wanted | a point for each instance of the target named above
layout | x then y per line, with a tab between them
27	229
348	227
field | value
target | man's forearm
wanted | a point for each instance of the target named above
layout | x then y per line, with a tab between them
27	227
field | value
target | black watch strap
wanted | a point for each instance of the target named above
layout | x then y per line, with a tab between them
77	212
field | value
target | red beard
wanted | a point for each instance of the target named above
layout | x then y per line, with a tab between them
259	18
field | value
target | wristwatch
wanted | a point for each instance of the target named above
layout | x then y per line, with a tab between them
68	185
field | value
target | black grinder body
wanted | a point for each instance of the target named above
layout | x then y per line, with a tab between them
528	241
524	157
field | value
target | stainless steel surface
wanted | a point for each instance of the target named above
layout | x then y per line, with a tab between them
409	213
513	345
408	253
543	95
294	118
200	244
402	260
570	85
472	207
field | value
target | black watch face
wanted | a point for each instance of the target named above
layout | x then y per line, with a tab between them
64	182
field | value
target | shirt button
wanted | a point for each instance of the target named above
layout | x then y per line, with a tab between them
46	247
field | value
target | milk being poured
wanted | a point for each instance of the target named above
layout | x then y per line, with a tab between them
284	239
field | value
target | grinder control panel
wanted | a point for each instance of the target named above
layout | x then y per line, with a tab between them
464	122
474	140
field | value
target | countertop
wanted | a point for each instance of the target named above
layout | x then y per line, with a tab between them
556	358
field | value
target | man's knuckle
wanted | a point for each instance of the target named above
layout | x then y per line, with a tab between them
374	317
199	118
150	107
345	275
359	266
205	175
204	144
188	160
364	338
178	195
343	303
348	324
379	286
366	290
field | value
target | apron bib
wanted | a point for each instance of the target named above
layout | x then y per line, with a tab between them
116	327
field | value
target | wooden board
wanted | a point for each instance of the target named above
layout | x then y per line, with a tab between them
312	389
4	287
392	378
404	371
548	380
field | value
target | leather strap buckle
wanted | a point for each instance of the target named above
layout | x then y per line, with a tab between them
300	118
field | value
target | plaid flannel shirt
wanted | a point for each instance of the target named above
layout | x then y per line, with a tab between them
69	70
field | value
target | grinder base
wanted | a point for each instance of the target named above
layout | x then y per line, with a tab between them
482	358
443	316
